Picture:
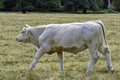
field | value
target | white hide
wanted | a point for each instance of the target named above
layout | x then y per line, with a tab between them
69	37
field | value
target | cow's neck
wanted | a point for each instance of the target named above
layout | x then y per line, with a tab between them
35	33
35	43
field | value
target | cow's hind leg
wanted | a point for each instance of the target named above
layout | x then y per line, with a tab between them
106	52
94	58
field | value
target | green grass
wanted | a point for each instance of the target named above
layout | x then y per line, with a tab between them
15	57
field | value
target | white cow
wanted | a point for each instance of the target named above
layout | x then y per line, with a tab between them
70	37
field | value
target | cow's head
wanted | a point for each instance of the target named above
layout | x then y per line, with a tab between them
25	35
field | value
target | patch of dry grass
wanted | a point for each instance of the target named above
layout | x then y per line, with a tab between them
15	57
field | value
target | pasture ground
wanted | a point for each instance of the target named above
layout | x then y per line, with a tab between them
15	57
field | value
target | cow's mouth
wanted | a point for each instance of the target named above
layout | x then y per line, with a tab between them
18	40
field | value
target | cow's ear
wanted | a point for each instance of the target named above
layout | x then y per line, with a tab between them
27	26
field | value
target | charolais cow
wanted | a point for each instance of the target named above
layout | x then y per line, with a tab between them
68	37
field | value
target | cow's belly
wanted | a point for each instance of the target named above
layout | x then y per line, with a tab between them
68	49
75	49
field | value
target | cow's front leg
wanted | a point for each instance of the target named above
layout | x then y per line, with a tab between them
38	55
60	60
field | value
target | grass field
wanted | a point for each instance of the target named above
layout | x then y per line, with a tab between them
15	57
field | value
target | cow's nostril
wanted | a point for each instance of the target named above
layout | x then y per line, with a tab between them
17	39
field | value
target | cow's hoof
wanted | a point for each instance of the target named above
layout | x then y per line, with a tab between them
61	72
30	68
88	72
112	71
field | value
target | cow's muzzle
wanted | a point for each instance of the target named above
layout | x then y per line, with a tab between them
17	39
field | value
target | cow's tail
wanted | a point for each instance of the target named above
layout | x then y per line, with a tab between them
103	32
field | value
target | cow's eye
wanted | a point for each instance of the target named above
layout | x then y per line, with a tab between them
23	32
